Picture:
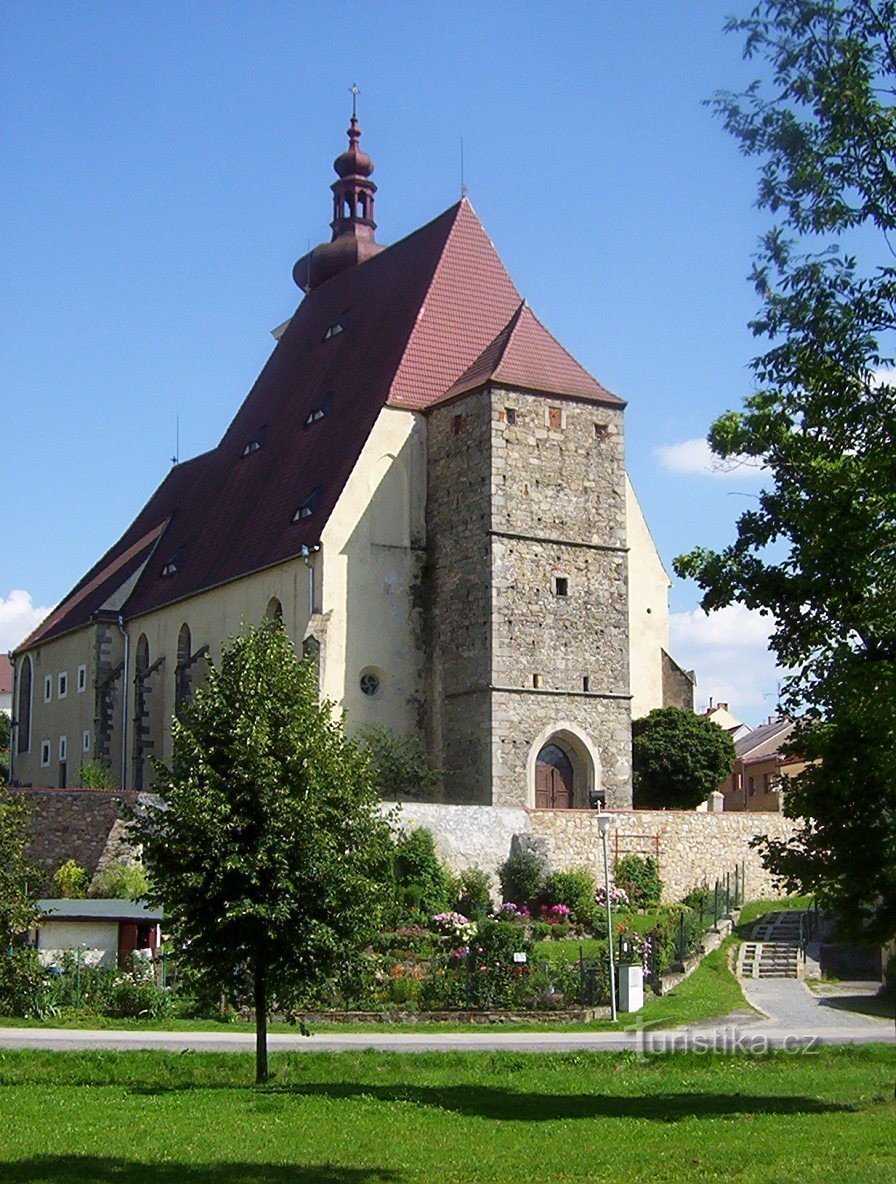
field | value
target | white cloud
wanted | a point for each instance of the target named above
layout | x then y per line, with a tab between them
18	616
695	457
886	376
728	650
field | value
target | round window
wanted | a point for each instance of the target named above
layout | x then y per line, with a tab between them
370	683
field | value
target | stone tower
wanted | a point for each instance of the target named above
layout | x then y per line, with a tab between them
528	614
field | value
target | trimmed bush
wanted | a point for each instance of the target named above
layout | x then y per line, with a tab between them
522	878
576	890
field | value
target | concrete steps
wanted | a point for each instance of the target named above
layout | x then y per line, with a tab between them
773	950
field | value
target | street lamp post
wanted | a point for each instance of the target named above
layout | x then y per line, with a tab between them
604	822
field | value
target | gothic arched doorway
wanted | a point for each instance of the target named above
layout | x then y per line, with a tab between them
554	779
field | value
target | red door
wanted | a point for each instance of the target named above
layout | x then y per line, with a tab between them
553	779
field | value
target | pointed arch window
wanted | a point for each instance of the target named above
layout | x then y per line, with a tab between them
23	711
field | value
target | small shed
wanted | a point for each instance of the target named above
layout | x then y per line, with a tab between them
107	932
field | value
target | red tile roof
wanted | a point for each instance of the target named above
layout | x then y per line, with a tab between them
524	354
415	318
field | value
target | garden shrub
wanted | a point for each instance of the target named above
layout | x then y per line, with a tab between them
422	884
23	983
522	878
400	764
121	881
473	894
70	881
576	890
639	875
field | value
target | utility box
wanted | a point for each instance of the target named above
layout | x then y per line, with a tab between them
631	986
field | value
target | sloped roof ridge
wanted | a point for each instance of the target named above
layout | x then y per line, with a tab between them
575	361
488	361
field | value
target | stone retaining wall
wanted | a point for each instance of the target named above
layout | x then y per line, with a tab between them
72	824
691	847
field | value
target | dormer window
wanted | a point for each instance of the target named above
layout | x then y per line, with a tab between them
257	441
335	329
173	565
308	506
320	411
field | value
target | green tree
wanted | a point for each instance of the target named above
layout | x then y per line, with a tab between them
269	854
678	759
400	764
818	550
70	881
18	878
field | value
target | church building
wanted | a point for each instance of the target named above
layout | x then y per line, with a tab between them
431	493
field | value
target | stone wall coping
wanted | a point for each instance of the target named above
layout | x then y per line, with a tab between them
74	791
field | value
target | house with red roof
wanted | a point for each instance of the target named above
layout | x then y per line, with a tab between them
430	492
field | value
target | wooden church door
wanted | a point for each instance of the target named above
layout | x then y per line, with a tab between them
553	779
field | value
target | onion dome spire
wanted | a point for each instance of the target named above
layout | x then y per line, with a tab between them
353	224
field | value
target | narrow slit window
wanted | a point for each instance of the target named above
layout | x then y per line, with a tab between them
561	585
82	678
44	753
63	748
318	413
48	688
85	742
173	565
257	441
510	414
555	418
586	683
308	506
62	685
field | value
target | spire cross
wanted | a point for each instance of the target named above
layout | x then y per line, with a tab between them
353	90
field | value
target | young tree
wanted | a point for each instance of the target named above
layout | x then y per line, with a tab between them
818	550
268	854
678	759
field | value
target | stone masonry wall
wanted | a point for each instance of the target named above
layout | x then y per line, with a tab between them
559	590
71	824
458	604
691	847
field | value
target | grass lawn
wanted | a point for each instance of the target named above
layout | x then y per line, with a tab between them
758	908
361	1118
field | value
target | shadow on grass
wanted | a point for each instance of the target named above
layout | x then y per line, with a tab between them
475	1101
90	1169
881	1006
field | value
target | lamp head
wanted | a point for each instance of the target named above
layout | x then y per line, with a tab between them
604	823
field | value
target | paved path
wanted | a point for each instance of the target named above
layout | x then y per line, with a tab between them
789	1003
742	1032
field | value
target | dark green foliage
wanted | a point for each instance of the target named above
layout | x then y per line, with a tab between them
639	875
5	731
522	878
817	549
575	889
473	895
96	775
423	885
678	759
22	982
400	764
18	879
270	855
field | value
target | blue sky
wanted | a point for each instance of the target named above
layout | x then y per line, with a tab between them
165	164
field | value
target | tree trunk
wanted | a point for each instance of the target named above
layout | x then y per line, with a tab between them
261	1020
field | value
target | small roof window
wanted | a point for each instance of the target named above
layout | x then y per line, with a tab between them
337	327
308	506
257	441
173	565
320	411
